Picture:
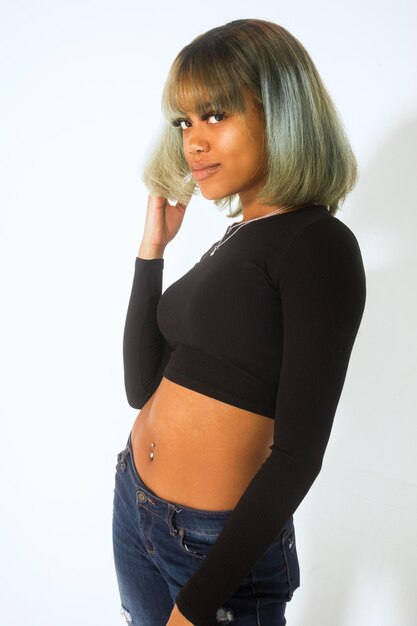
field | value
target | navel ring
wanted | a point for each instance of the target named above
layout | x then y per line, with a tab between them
152	452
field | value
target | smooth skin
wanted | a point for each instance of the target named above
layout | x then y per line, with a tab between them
237	143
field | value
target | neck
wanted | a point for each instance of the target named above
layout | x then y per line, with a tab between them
271	210
254	210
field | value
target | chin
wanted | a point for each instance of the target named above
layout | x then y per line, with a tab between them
211	194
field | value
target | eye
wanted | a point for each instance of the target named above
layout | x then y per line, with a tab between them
180	122
183	124
216	116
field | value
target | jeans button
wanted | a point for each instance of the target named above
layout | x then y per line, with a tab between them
141	496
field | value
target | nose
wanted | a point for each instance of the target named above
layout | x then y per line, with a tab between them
195	142
195	147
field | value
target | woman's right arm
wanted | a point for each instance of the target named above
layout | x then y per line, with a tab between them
145	350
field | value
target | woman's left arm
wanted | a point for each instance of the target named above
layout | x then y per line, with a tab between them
322	287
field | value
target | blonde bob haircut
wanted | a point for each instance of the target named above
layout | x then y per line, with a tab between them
308	156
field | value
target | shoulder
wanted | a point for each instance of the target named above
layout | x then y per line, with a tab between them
326	229
324	240
324	261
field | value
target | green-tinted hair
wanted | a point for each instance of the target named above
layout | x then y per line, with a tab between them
309	158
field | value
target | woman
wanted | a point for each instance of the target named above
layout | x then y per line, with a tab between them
238	367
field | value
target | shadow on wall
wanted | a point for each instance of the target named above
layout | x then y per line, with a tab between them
363	542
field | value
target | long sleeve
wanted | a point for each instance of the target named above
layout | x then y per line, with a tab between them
145	350
322	287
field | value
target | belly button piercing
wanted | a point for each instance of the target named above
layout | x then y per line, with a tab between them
152	452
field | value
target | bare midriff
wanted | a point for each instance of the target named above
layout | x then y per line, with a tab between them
206	451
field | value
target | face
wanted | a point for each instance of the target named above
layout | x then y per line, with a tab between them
233	145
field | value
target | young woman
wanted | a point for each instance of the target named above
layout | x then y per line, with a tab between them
238	367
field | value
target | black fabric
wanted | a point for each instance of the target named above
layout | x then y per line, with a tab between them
267	324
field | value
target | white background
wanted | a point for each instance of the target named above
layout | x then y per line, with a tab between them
80	86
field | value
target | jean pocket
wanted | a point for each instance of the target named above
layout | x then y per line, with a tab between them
292	565
197	541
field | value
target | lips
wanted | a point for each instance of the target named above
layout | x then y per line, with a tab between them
201	171
202	165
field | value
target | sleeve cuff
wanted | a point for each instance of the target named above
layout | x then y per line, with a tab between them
192	616
143	262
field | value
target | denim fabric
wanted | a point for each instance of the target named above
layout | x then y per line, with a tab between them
158	545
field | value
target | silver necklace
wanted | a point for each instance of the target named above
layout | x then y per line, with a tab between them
283	209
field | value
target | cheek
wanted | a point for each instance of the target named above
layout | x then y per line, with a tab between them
233	136
238	150
247	161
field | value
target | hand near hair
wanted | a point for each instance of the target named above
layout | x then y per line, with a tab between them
162	222
177	618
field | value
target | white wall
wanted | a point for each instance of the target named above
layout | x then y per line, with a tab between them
80	86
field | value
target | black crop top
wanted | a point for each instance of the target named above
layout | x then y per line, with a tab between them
266	324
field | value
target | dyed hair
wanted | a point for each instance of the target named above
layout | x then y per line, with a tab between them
308	155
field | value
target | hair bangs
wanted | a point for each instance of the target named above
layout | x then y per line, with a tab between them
202	83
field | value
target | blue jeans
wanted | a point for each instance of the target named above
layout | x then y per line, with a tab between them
158	545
